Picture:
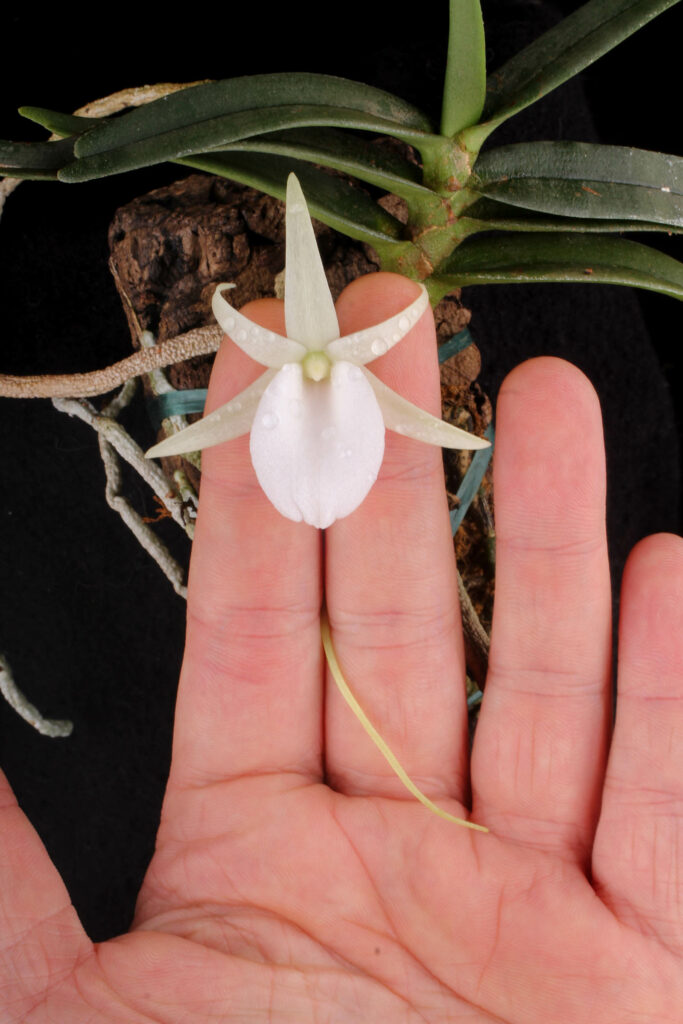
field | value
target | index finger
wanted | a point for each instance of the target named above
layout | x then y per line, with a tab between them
250	698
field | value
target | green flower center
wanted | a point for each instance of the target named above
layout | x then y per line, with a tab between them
316	365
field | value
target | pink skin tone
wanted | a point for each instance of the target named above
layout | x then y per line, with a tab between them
294	879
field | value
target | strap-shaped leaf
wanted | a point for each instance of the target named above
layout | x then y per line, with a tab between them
491	215
344	152
213	100
558	55
28	173
520	258
331	200
218	132
38	156
576	179
465	79
58	123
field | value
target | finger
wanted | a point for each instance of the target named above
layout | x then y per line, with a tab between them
41	939
250	688
391	589
637	855
540	745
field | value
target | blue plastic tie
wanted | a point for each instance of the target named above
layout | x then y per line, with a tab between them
176	403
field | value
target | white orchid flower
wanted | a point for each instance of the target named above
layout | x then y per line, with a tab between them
317	416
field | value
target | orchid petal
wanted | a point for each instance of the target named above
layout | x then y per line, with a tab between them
223	424
317	446
372	342
266	347
309	309
403	417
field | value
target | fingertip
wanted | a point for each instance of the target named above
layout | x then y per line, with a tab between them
652	597
549	451
553	377
383	292
661	553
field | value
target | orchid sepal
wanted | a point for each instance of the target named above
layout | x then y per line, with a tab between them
229	421
403	417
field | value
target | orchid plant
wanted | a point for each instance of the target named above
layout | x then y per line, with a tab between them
317	415
461	213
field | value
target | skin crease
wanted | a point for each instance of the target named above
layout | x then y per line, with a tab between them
294	879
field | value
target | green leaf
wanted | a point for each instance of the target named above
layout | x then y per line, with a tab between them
576	179
189	107
520	258
558	55
219	132
38	156
57	123
331	200
491	215
341	151
465	80
28	173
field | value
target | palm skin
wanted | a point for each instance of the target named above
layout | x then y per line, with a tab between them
294	880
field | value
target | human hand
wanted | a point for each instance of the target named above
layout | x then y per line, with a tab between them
294	879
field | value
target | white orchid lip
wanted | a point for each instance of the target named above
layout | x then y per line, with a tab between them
317	416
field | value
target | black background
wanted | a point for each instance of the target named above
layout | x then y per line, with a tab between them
91	628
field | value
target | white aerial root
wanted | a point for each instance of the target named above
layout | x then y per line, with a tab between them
53	727
115	441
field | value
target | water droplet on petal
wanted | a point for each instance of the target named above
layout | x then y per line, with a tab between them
241	335
354	372
404	323
379	347
395	337
269	420
230	323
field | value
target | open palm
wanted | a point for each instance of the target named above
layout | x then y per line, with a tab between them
294	880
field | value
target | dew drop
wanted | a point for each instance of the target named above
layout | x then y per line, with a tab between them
404	323
379	347
230	323
241	335
396	337
269	420
354	373
344	453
